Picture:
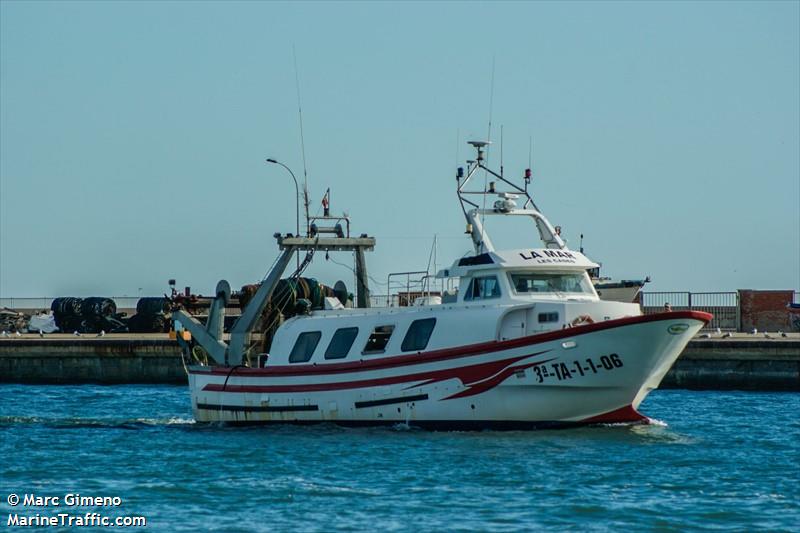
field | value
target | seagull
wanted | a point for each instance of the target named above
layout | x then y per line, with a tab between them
727	335
18	334
705	336
767	335
76	333
5	333
719	331
755	331
41	333
102	333
783	334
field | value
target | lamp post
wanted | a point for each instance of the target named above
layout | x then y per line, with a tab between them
296	194
296	199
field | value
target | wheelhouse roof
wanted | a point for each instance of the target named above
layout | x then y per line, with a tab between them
534	259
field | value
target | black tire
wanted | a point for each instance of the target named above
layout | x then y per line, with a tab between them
98	307
152	305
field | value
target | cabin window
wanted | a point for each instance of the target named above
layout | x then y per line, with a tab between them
548	317
304	346
483	288
418	335
552	282
341	343
378	340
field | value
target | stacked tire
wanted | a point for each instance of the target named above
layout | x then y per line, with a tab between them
68	313
87	315
151	316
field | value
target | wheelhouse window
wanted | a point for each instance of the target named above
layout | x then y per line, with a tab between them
483	288
304	346
378	340
418	335
341	343
542	282
548	317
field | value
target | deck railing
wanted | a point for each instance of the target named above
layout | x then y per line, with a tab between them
384	300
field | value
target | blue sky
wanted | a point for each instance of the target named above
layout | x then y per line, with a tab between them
133	135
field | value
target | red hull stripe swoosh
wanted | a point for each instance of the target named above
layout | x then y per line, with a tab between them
467	374
450	353
494	381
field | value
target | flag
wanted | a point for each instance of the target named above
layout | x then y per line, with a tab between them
326	199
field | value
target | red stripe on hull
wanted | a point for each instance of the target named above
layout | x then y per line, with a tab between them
467	374
493	381
448	353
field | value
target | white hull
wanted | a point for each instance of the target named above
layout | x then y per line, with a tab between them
593	373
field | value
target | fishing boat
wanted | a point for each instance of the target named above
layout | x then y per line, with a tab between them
523	341
623	290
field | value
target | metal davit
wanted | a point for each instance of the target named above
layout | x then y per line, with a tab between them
320	237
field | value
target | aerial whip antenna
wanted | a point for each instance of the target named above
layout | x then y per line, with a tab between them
302	140
458	146
501	150
491	106
489	140
431	259
528	171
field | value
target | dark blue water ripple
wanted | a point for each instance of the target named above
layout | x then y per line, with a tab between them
721	461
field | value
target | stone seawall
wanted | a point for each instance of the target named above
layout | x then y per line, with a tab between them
112	359
742	362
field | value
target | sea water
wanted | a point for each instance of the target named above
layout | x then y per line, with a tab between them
713	460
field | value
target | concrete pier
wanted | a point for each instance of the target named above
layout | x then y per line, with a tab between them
742	362
111	359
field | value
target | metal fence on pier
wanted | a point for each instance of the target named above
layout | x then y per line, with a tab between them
723	305
43	303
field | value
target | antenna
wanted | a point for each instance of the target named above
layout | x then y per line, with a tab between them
528	170
491	103
302	140
501	150
488	141
431	259
458	146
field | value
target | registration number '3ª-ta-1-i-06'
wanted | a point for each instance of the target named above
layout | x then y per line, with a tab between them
571	369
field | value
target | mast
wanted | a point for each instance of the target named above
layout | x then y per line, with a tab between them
506	203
